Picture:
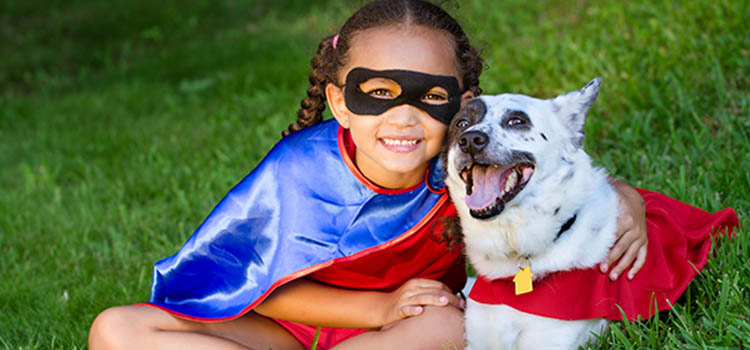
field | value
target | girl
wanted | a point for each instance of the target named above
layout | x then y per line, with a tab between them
355	246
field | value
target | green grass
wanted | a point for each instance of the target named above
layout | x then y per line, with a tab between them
123	123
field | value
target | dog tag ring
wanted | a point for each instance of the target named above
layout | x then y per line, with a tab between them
523	278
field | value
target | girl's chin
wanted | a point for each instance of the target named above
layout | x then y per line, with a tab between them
403	170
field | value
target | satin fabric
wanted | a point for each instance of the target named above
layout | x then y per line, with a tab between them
678	248
305	207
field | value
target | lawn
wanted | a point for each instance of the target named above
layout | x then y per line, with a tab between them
122	124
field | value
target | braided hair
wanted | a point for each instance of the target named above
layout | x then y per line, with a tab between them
329	60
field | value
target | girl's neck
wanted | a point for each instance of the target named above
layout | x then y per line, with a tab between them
391	181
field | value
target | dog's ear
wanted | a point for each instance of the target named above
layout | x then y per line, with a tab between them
574	105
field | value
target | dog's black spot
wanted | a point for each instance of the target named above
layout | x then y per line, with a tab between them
565	227
516	121
519	157
569	175
543	136
578	140
474	111
471	114
597	228
557	210
555	108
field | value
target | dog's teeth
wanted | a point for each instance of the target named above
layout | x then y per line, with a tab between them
469	179
511	181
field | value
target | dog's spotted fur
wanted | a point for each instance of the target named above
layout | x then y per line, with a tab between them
554	181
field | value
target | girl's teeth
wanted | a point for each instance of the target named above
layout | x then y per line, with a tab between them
392	142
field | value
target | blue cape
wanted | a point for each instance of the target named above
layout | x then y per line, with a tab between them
299	211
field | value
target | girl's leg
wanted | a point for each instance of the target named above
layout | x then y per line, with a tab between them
143	327
438	327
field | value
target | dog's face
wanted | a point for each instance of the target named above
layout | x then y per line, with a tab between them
497	145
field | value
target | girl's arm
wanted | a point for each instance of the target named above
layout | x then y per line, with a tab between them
308	302
632	242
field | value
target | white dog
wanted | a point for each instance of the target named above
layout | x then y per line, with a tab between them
528	197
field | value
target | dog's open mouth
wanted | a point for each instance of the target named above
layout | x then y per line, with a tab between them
489	187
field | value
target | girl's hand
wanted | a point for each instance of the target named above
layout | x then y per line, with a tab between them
409	300
632	242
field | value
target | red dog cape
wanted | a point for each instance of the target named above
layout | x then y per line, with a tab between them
679	243
307	211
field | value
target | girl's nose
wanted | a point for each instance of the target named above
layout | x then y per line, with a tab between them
403	116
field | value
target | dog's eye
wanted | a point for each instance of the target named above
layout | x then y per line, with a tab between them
462	123
515	122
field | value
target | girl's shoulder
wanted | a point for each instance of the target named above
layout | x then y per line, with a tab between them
325	131
306	145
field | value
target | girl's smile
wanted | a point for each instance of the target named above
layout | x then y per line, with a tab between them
399	144
394	148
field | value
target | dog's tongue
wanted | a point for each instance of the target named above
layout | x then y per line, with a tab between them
487	185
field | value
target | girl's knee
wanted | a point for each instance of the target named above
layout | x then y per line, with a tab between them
444	321
115	327
438	327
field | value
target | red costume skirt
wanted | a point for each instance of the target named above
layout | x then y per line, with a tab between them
328	338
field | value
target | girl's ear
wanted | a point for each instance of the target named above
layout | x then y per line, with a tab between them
466	97
335	98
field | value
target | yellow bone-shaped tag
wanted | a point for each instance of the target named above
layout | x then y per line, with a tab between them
523	280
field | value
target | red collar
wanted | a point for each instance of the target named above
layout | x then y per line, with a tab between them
568	295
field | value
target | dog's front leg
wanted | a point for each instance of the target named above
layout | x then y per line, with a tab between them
490	327
548	333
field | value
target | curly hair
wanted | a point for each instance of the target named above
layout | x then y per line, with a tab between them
328	61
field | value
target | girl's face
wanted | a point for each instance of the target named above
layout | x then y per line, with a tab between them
394	148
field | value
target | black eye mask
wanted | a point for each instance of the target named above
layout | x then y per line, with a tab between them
414	86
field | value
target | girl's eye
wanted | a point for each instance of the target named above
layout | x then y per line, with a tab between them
433	98
462	123
380	93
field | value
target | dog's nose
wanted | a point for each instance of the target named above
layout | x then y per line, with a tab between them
473	142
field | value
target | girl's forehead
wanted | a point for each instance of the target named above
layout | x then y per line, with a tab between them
414	48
